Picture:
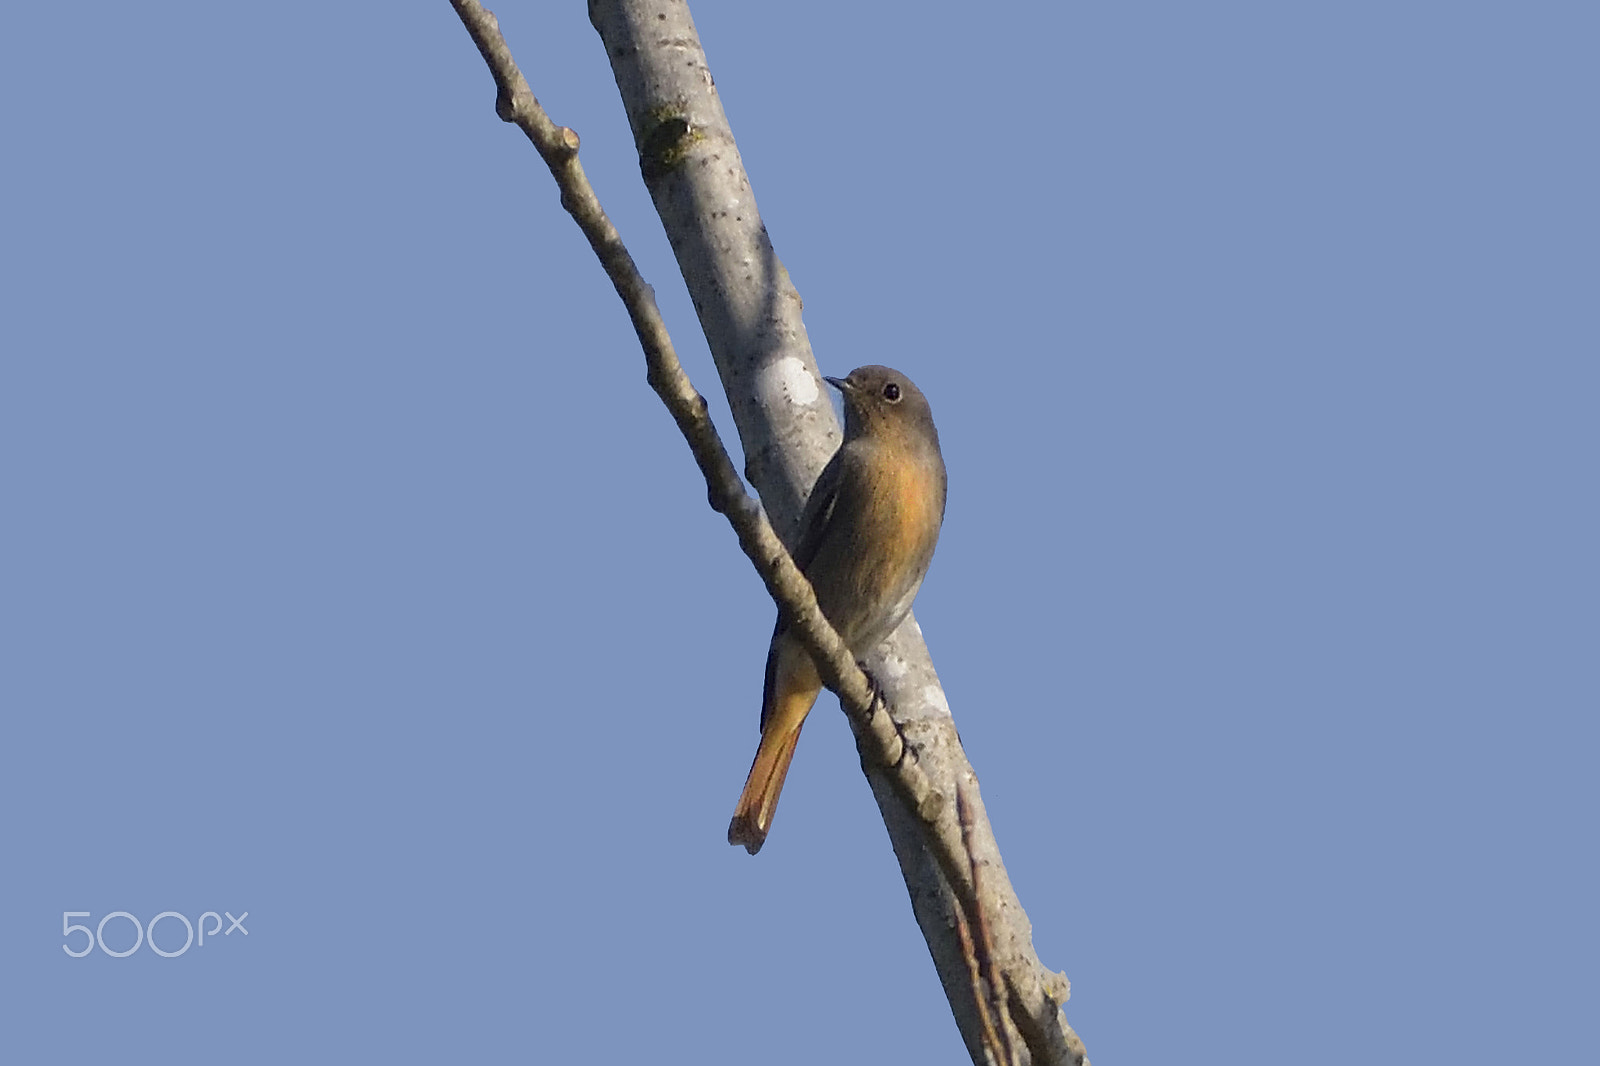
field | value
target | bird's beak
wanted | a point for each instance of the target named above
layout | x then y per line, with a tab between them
839	383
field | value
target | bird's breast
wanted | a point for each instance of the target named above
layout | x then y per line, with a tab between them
884	531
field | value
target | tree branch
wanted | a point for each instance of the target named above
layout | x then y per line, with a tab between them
1005	1003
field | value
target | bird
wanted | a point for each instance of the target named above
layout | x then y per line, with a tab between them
866	536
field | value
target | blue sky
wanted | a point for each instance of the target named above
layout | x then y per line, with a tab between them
353	577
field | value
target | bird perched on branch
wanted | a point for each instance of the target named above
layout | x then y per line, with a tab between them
866	538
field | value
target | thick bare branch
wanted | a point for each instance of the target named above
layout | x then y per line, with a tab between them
975	928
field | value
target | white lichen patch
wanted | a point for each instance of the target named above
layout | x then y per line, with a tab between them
786	380
893	667
933	696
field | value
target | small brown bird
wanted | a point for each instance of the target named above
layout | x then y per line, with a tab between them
866	537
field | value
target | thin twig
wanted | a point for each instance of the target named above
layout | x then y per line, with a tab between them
980	1000
990	993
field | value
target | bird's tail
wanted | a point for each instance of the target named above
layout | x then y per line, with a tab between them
791	688
753	816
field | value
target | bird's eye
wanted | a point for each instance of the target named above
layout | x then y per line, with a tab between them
891	392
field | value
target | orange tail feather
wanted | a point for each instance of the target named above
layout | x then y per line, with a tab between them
791	688
753	816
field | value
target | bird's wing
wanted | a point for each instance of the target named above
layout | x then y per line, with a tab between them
814	519
818	512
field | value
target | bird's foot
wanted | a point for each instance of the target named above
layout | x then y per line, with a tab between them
879	697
